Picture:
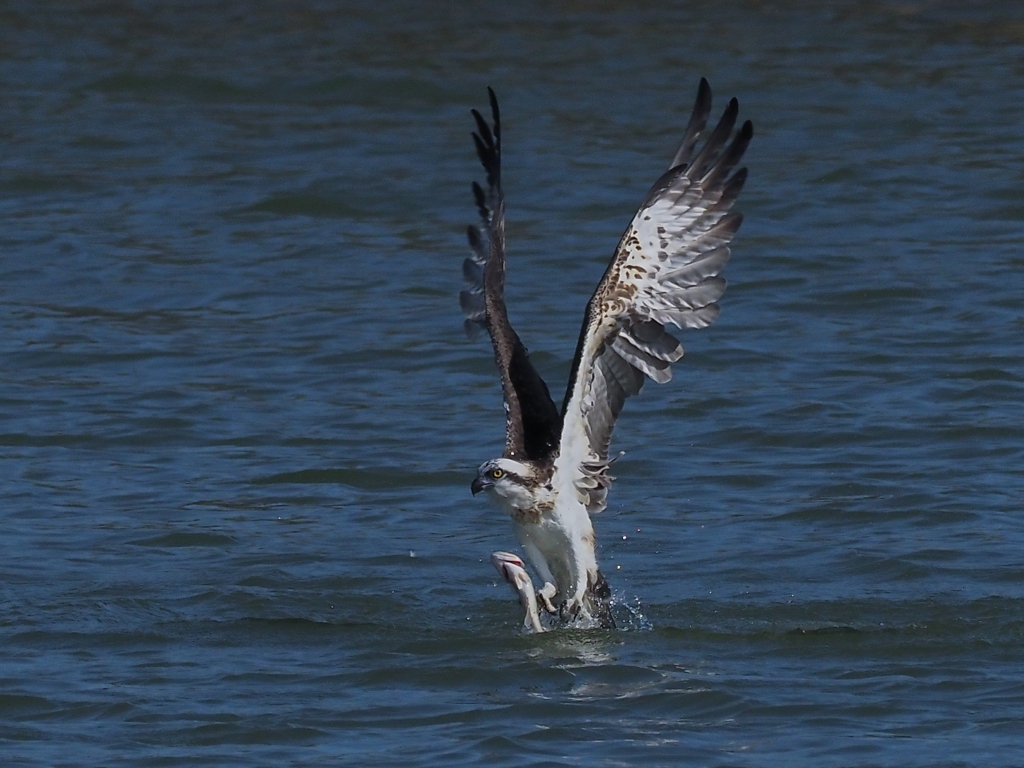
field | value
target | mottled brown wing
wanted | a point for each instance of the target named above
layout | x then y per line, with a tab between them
664	272
533	423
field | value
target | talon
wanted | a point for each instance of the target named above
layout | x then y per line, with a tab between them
548	591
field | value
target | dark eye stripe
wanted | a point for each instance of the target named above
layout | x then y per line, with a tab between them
498	473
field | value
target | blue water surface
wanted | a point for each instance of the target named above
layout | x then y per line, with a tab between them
239	416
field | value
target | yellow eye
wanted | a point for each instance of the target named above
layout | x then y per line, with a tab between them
497	473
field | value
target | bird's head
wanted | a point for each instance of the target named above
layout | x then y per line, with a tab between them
508	481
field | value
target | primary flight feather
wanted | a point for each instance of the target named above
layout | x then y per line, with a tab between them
553	474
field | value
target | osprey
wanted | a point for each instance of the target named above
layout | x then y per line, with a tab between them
553	474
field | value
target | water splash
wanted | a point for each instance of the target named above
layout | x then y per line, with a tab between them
629	614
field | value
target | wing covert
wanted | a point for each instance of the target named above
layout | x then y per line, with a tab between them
532	420
664	272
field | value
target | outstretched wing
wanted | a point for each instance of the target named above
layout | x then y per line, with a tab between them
533	423
664	272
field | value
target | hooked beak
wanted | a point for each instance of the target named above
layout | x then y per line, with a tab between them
478	485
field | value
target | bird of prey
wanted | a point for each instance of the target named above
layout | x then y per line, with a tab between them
553	474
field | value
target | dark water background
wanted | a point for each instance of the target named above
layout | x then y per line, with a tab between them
238	416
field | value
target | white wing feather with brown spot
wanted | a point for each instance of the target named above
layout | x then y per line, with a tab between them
664	272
